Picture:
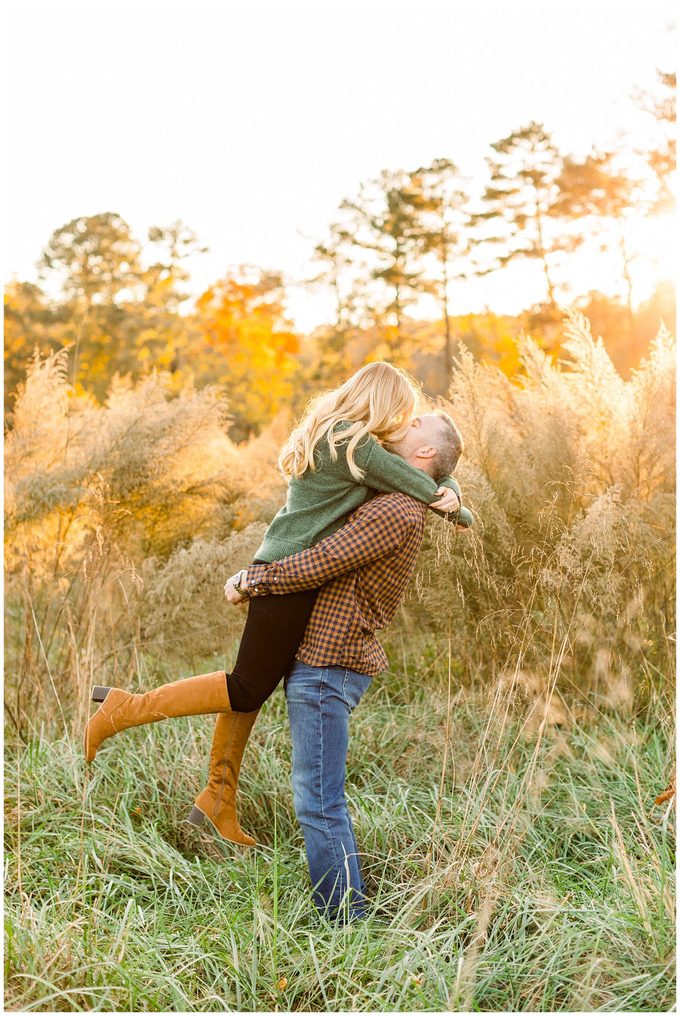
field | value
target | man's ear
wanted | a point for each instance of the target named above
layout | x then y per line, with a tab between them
426	451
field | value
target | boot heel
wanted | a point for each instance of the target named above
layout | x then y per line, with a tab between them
195	816
99	692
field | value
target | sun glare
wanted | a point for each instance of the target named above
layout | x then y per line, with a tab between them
652	242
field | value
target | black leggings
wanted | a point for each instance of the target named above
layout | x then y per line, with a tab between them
274	629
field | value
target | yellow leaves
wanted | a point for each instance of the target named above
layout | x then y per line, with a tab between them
251	346
205	300
282	983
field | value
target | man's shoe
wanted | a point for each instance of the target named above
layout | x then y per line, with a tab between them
205	693
217	802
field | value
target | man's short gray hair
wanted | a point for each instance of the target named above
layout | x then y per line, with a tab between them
449	446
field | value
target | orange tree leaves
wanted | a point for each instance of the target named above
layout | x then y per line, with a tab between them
249	347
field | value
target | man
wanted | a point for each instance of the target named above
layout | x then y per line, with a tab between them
364	568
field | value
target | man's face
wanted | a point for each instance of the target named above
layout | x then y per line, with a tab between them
423	432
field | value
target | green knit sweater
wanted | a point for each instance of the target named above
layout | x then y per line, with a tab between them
319	503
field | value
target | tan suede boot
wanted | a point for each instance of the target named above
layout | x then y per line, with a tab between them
119	710
217	802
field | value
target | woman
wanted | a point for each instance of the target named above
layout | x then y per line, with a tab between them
333	461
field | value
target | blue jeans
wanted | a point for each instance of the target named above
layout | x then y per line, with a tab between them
320	700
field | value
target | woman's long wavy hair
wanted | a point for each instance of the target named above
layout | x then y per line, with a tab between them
378	399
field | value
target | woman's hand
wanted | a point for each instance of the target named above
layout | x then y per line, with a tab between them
448	500
232	594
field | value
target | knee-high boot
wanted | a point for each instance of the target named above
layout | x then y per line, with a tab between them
217	802
119	710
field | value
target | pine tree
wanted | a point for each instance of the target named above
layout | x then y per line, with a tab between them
519	199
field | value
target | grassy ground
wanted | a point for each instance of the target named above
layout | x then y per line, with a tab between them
511	867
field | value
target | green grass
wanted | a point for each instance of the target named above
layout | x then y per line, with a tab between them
509	870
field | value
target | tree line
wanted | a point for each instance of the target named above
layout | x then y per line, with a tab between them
405	235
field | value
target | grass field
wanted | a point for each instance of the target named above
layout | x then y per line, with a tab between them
513	865
502	773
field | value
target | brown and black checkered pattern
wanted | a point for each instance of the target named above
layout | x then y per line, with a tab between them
364	569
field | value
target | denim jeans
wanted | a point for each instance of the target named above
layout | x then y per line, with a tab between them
320	700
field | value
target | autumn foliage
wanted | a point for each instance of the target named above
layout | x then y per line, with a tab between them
249	347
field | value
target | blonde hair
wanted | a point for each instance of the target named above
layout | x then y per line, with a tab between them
378	399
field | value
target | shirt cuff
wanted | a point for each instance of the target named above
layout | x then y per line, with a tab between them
258	578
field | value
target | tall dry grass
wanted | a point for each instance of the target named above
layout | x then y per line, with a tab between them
95	497
122	522
567	579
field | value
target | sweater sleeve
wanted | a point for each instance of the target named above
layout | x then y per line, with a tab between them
388	472
463	517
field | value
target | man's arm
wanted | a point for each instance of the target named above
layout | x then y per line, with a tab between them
376	529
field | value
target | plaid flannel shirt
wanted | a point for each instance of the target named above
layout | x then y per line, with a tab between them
363	569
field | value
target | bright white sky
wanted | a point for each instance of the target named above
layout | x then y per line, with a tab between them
251	121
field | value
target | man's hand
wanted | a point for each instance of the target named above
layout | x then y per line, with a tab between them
232	594
448	500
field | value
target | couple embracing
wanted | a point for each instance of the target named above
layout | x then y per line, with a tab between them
363	468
